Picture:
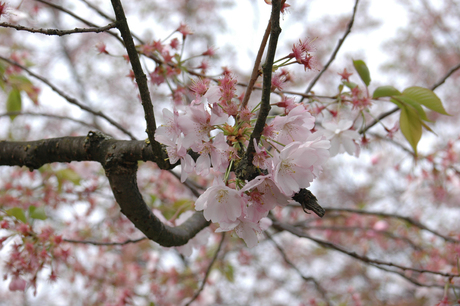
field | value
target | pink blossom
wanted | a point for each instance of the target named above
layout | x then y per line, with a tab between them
17	284
220	204
295	126
299	163
341	137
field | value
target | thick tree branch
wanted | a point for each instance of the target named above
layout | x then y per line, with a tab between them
141	79
68	98
119	159
57	31
336	50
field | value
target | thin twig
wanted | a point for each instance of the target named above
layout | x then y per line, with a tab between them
294	230
57	31
255	70
318	286
68	98
357	228
101	13
60	8
105	243
387	215
337	48
208	270
449	73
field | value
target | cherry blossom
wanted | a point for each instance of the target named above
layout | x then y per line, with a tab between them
341	137
220	204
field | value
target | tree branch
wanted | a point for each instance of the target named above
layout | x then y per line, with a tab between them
57	31
68	98
267	81
402	218
88	23
105	243
141	80
119	159
334	53
295	231
255	69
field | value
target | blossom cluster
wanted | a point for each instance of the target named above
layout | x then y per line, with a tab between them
210	136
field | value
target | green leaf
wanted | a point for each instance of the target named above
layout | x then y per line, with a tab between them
425	97
409	102
14	103
67	175
363	71
37	213
18	213
229	272
411	126
350	85
385	91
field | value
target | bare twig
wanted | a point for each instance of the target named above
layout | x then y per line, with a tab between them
357	228
195	296
296	231
57	31
336	50
449	73
105	243
60	8
68	98
101	13
387	215
255	70
318	286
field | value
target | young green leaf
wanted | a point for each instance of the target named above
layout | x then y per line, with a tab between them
411	126
37	213
363	71
18	213
409	102
14	103
425	97
385	91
